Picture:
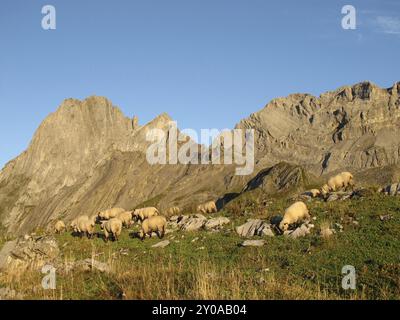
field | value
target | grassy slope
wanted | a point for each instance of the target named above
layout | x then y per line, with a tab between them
214	266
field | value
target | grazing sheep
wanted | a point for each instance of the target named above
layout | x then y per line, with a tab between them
348	179
74	225
172	211
109	213
208	207
334	183
112	227
296	212
126	218
153	224
59	226
86	226
315	193
340	181
93	218
79	220
144	213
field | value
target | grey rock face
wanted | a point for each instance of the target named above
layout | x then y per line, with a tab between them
353	127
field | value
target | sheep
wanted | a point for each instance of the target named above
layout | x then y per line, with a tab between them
313	193
86	226
153	224
113	227
78	222
208	207
348	179
144	213
296	212
172	211
125	217
93	218
59	226
337	182
73	224
109	213
334	183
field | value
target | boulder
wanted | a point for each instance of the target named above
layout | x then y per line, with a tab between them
216	223
161	244
254	227
253	243
340	195
300	231
193	223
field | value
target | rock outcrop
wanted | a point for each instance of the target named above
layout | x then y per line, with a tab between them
28	252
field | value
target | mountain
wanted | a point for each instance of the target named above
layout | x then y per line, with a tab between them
88	156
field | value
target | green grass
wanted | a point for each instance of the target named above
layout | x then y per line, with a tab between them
215	266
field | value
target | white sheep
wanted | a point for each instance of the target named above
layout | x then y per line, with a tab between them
348	179
144	213
79	220
337	182
315	193
87	227
125	217
295	213
109	213
172	211
112	227
73	224
153	224
59	226
208	207
334	183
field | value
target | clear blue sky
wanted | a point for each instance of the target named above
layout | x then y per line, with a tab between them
208	63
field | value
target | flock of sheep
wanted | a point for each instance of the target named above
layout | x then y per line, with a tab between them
113	220
299	212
